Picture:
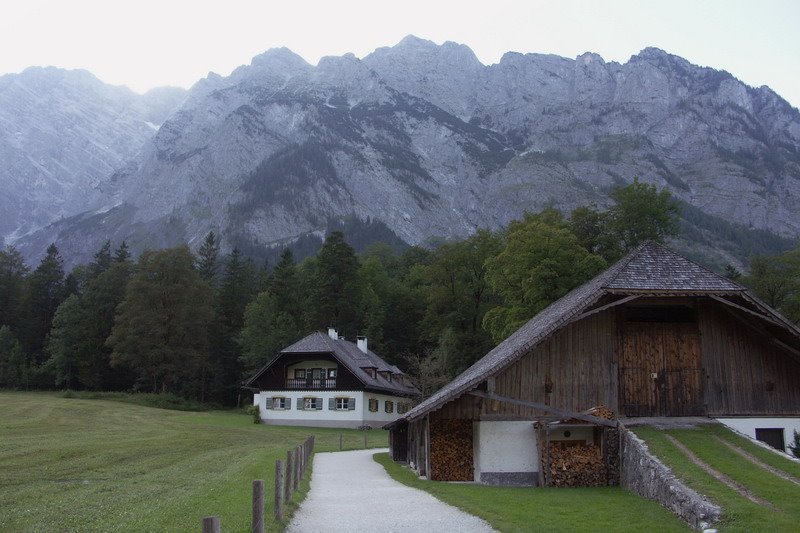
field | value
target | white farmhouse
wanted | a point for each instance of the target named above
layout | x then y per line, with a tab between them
326	381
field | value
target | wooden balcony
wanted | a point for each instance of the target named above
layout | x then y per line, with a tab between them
311	384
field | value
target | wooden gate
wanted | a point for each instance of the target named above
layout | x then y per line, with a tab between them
660	371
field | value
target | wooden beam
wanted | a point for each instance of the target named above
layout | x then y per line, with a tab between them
547	408
604	307
746	310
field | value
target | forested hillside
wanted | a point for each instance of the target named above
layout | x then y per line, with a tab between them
198	324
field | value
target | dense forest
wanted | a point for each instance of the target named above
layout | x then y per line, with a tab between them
197	324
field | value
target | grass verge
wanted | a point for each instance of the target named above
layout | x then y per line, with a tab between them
96	465
512	509
740	514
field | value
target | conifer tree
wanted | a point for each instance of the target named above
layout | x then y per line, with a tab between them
44	294
207	257
64	341
335	295
122	253
161	329
13	271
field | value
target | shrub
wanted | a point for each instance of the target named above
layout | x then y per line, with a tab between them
795	445
255	412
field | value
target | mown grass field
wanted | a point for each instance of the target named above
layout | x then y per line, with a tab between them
511	509
740	514
97	465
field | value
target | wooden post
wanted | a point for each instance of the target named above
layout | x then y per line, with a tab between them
279	490
211	524
302	452
365	440
257	524
289	477
296	481
340	442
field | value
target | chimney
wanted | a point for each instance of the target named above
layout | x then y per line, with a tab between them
361	341
333	334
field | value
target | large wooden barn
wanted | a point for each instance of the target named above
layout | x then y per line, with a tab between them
655	335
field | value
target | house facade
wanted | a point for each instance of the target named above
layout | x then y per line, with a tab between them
324	380
655	335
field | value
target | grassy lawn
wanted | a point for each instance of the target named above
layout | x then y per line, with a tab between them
511	509
97	465
740	514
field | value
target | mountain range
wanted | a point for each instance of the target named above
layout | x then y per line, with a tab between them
417	141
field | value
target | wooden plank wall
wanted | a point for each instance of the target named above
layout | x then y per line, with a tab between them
576	366
746	373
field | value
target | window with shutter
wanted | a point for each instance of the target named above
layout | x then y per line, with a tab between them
278	402
373	405
331	404
267	403
389	406
351	404
300	403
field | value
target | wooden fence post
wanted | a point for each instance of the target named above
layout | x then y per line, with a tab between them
296	481
211	524
340	442
257	523
365	441
279	490
289	477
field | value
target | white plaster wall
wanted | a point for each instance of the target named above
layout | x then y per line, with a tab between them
578	432
381	417
748	425
505	446
348	418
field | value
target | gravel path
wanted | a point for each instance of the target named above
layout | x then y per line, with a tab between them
352	493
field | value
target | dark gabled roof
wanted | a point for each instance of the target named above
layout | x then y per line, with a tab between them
650	268
350	356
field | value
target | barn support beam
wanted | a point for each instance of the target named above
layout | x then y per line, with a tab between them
547	408
795	352
746	310
604	307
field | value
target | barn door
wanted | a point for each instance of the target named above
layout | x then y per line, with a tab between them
683	372
642	361
660	370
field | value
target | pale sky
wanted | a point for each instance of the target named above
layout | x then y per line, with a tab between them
148	43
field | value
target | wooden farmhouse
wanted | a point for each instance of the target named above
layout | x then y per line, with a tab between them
324	380
655	335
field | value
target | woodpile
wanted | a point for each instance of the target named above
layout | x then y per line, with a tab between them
571	463
451	450
576	464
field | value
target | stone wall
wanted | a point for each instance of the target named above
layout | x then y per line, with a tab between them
644	474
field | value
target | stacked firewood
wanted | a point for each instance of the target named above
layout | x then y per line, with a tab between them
576	464
451	450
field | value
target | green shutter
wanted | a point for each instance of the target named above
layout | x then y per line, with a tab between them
351	404
318	403
299	403
331	404
268	403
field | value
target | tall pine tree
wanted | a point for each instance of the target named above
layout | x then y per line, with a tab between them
335	296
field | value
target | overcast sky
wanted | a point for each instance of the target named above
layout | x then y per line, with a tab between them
147	43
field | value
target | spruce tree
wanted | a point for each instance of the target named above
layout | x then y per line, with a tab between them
13	271
335	297
207	257
44	294
122	254
102	260
161	329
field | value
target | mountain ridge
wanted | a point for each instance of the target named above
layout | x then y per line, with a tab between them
432	143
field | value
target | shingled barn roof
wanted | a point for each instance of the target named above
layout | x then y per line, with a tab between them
648	269
351	357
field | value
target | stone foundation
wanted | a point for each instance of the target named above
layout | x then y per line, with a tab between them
645	475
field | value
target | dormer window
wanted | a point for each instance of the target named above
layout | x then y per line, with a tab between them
370	370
